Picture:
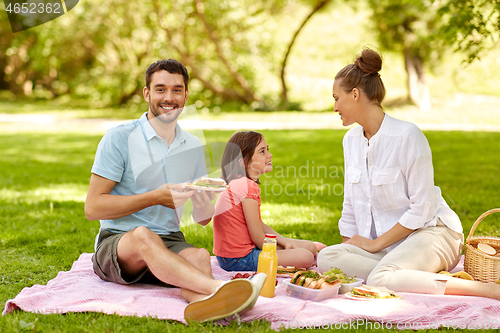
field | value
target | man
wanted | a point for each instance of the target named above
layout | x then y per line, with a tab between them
135	191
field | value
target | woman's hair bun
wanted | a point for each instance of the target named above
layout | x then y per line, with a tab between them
369	61
364	75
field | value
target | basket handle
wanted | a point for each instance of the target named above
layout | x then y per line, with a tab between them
479	219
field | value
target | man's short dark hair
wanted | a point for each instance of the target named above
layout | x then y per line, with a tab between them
171	65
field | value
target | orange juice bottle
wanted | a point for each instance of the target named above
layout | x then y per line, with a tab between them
268	263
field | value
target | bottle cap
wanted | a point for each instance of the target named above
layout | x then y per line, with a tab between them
270	236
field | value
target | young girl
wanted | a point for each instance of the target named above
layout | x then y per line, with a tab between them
238	228
397	230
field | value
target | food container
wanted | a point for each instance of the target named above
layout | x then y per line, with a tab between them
347	287
311	294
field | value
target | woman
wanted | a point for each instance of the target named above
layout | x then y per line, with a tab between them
397	230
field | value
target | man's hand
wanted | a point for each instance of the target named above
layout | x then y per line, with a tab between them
101	205
203	210
202	198
173	195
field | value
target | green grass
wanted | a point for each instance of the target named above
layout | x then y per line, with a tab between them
44	230
44	176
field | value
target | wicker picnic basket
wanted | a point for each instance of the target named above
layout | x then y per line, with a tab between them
481	266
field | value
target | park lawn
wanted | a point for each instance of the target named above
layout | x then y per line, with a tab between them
44	230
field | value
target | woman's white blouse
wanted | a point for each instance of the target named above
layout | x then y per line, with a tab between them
390	179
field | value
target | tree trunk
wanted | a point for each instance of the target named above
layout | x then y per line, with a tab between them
284	91
250	95
418	91
187	59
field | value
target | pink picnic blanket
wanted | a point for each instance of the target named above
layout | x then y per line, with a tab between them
80	290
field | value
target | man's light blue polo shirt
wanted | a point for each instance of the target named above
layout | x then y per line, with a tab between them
138	160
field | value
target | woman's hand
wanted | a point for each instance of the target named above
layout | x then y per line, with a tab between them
394	235
366	244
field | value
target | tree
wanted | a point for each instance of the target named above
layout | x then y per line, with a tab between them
214	39
316	7
99	51
406	26
470	24
90	54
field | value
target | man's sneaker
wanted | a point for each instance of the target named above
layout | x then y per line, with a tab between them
258	281
232	297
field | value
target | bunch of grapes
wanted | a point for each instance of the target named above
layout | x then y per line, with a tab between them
338	272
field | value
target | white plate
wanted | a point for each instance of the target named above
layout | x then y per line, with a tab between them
284	275
205	188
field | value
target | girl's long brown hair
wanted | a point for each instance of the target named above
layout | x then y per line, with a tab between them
241	145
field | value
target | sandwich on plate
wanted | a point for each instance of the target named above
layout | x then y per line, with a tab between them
365	291
289	270
208	183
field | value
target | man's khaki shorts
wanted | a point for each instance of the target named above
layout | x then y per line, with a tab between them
105	259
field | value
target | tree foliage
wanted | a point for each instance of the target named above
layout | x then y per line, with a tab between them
409	27
316	7
423	30
224	43
93	53
99	51
470	25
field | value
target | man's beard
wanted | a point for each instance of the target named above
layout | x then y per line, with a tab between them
164	116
